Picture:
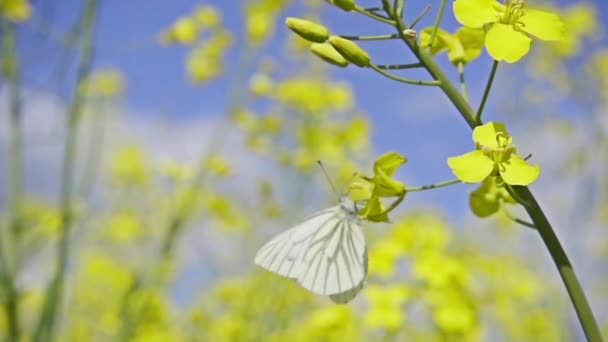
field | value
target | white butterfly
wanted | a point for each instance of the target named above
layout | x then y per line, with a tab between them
325	254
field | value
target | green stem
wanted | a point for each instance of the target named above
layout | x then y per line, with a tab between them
516	220
548	236
398	7
399	66
11	72
377	37
463	85
95	152
437	23
374	16
420	16
566	271
486	92
433	186
403	80
46	325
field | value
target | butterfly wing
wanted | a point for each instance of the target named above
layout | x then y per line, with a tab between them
335	261
283	254
326	254
348	295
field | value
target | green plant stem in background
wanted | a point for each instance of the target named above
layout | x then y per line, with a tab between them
433	186
398	8
399	66
486	92
403	80
10	248
46	325
378	37
463	85
420	16
576	293
374	16
95	147
437	22
516	220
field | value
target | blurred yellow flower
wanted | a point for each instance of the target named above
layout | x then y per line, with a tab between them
129	166
386	306
183	31
123	227
218	166
383	255
105	83
15	10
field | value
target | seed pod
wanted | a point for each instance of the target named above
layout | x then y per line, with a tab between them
350	51
347	5
308	30
327	53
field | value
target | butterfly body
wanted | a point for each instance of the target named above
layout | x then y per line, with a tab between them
325	254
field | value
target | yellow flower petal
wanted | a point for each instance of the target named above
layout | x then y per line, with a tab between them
516	171
472	167
543	25
486	134
476	13
504	43
389	162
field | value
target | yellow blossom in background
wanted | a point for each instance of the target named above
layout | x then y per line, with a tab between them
15	10
218	166
105	83
581	22
183	31
439	270
386	306
260	20
421	234
207	16
452	311
383	256
179	172
123	227
129	166
205	61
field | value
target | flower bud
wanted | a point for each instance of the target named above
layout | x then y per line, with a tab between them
347	5
308	30
350	51
327	53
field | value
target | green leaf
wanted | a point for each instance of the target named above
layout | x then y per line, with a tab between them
506	44
472	167
516	171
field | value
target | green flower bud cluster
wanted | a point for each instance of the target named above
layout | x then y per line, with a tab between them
332	49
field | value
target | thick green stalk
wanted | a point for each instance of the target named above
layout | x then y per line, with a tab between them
575	291
46	325
11	73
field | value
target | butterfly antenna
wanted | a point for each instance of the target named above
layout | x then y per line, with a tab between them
328	178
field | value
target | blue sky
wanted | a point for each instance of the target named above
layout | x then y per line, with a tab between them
417	121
